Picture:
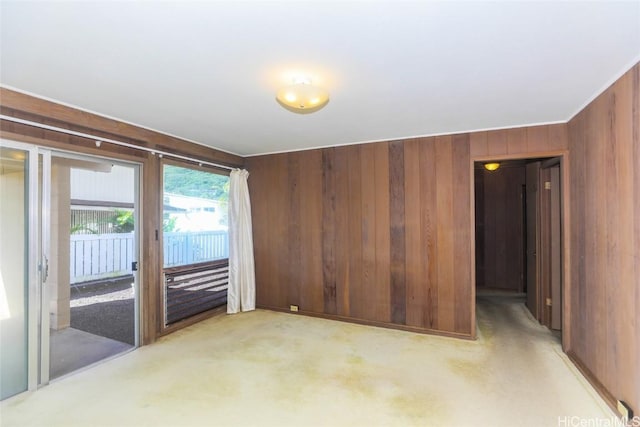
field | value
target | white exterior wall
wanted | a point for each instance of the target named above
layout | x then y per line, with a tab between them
90	185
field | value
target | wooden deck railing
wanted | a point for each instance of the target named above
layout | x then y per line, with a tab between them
193	289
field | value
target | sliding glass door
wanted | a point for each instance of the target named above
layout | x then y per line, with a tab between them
20	259
68	263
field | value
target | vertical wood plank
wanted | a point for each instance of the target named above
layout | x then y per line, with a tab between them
537	139
259	204
610	222
444	195
397	231
367	297
329	230
295	240
578	188
517	141
310	260
382	233
496	142
478	144
356	284
342	250
429	228
591	252
558	137
598	174
151	298
461	177
416	282
276	267
279	264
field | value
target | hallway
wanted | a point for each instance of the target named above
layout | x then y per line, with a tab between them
270	368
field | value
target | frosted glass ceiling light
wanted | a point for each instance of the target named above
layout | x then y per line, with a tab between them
302	97
491	166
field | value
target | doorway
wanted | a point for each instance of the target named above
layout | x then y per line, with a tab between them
518	226
68	290
92	292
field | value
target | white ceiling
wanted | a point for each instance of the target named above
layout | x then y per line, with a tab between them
208	71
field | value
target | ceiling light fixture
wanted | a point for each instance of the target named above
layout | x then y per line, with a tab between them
491	166
302	97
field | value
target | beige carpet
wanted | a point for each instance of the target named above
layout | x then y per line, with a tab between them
274	369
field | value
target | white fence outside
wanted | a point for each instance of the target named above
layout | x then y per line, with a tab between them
100	256
190	247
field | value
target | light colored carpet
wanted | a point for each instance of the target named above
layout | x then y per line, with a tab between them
275	369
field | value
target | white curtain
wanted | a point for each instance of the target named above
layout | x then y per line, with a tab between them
241	295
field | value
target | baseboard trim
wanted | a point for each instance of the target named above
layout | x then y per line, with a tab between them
595	383
385	325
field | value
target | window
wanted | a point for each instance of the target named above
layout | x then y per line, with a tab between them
195	216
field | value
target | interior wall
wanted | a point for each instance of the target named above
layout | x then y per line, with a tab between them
605	238
41	111
378	233
500	228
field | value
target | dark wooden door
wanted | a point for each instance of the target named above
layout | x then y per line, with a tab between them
556	250
550	247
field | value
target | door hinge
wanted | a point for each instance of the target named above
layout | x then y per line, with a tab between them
548	302
134	266
547	185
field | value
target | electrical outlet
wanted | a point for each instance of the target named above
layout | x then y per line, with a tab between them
624	410
293	308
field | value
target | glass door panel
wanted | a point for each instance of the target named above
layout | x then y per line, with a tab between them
14	270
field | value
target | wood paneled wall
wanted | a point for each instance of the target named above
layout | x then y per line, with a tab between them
500	228
518	143
374	232
378	233
605	238
37	110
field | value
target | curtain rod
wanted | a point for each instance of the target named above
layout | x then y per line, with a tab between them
99	140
